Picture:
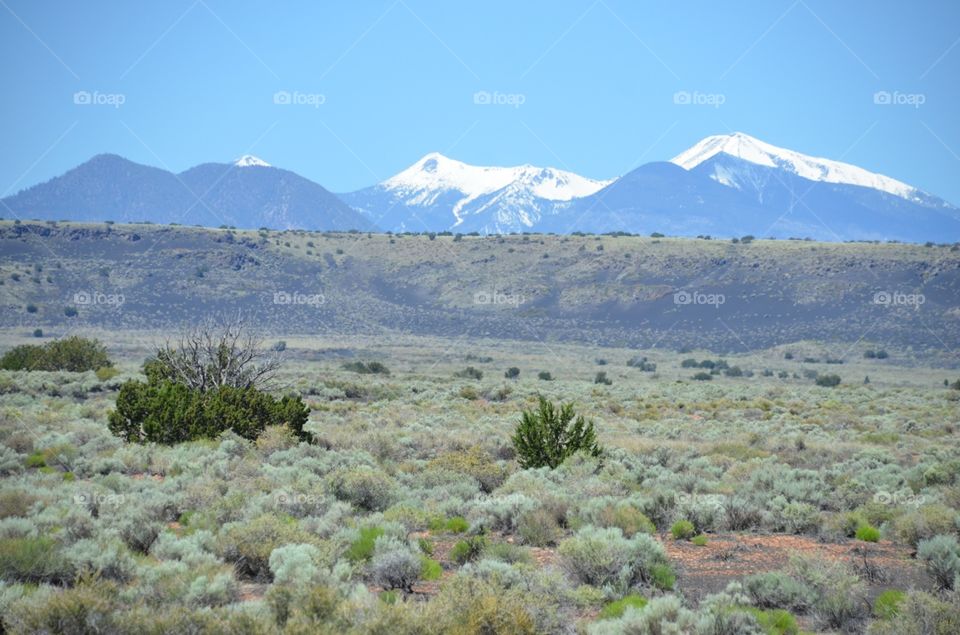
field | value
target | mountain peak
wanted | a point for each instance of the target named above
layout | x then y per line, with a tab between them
436	173
753	150
250	161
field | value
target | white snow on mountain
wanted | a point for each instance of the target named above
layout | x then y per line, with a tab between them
753	150
249	161
435	175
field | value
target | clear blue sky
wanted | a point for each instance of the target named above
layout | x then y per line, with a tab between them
397	79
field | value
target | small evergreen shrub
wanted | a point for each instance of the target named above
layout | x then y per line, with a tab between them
512	373
73	354
828	381
469	373
601	378
367	368
167	412
544	375
548	436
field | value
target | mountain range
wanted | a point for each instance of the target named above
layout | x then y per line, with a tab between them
248	193
725	185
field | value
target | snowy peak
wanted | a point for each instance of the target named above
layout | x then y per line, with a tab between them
250	161
752	150
436	173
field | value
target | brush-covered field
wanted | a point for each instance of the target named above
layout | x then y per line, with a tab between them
746	500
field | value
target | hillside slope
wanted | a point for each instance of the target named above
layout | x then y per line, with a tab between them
640	292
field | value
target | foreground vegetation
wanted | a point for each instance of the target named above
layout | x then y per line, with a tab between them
401	505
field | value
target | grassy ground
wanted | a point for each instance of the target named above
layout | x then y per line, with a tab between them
775	472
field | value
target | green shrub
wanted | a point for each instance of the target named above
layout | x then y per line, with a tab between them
662	577
468	549
367	368
887	605
106	373
34	560
544	375
430	569
941	557
249	544
507	552
362	548
90	607
167	412
700	541
457	525
394	565
548	436
840	595
512	373
474	462
613	610
778	590
625	517
469	393
775	621
538	527
369	489
73	354
828	381
469	373
602	557
924	522
682	530
867	533
922	613
601	378
702	376
295	564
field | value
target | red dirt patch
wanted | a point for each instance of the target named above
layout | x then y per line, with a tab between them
729	557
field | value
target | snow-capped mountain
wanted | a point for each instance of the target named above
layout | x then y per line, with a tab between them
438	193
250	161
766	191
743	146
